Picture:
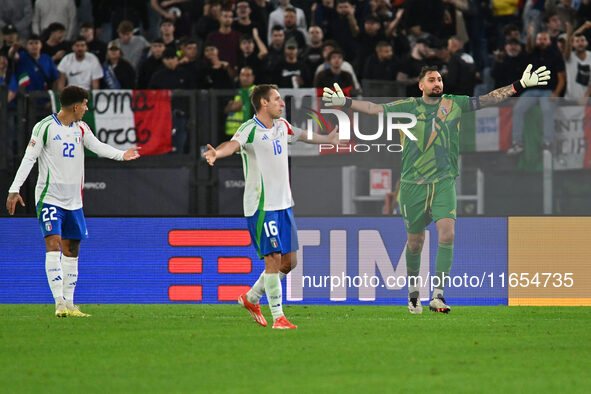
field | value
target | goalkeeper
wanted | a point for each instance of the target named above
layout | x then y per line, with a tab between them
430	166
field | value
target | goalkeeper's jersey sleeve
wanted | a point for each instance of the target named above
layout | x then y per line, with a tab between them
434	155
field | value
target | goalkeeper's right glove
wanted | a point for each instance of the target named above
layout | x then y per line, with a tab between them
335	98
530	79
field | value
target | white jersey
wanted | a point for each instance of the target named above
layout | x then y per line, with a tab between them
81	73
578	76
265	164
60	151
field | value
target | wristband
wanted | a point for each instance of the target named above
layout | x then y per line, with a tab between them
517	87
348	103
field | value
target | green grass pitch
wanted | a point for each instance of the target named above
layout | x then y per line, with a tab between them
219	348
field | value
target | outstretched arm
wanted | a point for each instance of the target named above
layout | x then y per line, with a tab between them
225	149
314	138
336	98
529	79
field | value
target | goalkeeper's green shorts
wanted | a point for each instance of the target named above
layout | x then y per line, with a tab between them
421	204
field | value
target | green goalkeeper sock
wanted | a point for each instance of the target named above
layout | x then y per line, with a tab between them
413	266
445	254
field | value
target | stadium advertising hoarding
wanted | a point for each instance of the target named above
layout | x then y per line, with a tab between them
211	260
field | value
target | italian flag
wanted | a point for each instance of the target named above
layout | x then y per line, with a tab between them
486	130
130	118
24	80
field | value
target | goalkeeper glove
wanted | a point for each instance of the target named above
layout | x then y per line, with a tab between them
335	98
531	79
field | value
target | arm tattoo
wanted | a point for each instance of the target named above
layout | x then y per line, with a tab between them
497	96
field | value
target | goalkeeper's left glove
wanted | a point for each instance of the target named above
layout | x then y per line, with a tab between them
531	79
335	98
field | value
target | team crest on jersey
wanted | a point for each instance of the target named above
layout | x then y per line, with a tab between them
48	226
32	143
444	110
274	242
78	139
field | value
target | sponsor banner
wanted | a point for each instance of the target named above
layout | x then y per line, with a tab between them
571	137
549	261
211	260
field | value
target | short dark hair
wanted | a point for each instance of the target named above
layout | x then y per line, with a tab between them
330	43
382	44
87	25
33	37
55	26
261	92
336	51
427	69
73	95
548	15
78	39
277	28
508	28
290	9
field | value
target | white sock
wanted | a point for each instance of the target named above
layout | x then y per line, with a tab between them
53	269
257	290
274	296
70	270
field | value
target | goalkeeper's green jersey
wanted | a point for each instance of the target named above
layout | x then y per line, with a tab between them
434	155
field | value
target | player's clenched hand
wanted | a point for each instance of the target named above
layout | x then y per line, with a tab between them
334	98
210	155
131	154
11	201
539	77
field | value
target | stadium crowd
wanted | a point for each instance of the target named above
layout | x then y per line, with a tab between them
49	44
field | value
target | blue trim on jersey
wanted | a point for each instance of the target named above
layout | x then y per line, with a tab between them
55	220
286	239
56	119
258	122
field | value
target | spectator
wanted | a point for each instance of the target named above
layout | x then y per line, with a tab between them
553	26
411	66
542	54
261	10
80	68
151	64
291	29
248	57
210	21
243	24
52	11
276	47
118	72
509	64
55	45
34	70
17	13
239	109
277	17
344	29
177	11
312	55
503	13
324	14
335	73
217	74
327	48
95	46
167	34
381	65
511	31
171	76
132	46
415	15
367	40
577	65
291	73
10	41
189	51
461	70
226	40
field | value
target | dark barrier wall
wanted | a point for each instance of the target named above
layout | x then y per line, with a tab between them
136	191
211	260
